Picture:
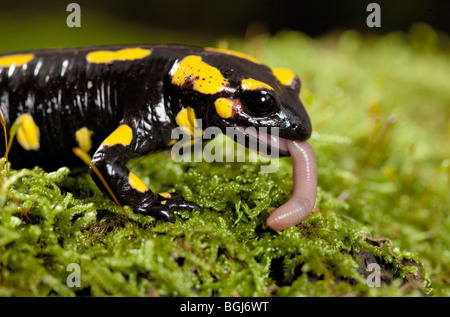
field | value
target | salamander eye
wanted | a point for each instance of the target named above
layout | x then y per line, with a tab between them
258	103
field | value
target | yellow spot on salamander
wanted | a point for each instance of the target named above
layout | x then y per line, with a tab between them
126	54
83	137
122	135
234	53
204	78
252	84
163	202
165	195
186	119
224	107
285	76
136	183
16	59
172	142
28	134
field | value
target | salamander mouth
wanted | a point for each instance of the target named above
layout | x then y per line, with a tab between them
264	143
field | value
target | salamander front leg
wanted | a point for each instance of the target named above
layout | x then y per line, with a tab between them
111	158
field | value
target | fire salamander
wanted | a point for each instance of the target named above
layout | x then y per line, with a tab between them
120	102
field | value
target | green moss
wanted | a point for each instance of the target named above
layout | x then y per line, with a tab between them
379	107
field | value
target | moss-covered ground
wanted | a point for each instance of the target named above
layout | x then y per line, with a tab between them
380	108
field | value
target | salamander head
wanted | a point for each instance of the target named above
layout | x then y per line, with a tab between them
238	91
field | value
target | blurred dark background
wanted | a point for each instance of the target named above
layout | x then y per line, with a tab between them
233	17
30	21
313	17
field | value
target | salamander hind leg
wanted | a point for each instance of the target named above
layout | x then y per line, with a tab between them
110	159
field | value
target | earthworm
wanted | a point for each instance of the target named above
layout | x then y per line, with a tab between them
303	198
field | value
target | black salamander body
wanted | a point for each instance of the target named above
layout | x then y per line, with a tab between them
120	102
